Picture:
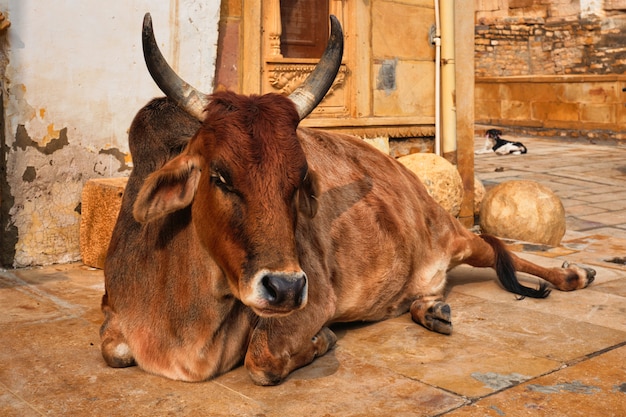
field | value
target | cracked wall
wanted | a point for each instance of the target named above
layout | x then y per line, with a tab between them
69	95
46	185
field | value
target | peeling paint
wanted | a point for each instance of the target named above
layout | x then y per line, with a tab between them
122	157
497	381
575	387
23	141
48	225
29	174
47	192
55	127
51	135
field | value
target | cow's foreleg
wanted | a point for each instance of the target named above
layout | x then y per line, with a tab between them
276	350
488	251
432	313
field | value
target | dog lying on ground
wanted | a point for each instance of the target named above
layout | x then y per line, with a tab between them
494	143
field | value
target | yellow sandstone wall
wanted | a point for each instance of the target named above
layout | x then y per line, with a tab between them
402	58
575	106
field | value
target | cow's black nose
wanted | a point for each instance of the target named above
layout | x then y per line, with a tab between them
284	290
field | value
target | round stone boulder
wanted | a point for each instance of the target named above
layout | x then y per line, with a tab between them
441	178
479	194
523	210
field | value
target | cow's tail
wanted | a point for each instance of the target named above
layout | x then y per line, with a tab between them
505	269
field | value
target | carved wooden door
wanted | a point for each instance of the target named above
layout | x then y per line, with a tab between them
304	28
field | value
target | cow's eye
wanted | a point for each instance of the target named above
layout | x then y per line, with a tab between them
221	181
219	178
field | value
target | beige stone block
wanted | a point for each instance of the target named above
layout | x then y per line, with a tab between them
523	210
516	4
487	110
412	93
597	113
620	116
531	92
563	112
487	91
401	30
615	4
516	110
561	10
569	92
380	143
441	179
487	17
598	93
101	202
487	5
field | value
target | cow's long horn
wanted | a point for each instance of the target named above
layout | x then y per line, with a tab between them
186	96
317	84
305	97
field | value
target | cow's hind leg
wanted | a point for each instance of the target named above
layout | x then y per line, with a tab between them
568	277
276	350
429	309
489	251
114	348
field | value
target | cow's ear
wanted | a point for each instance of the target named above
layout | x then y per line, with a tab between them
168	189
308	193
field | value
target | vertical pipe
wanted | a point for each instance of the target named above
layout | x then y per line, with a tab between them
437	42
448	85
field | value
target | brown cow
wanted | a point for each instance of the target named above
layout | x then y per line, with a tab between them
259	234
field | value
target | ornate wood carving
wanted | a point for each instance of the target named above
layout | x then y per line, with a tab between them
350	104
285	78
273	28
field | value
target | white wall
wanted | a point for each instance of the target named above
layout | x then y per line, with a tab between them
74	80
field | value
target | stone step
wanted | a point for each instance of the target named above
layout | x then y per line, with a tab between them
101	202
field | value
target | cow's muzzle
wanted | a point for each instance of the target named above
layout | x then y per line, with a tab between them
278	293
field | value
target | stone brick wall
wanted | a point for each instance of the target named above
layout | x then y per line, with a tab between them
534	46
552	68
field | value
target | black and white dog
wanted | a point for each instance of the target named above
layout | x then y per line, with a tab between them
494	143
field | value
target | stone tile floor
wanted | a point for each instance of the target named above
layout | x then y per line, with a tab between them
561	356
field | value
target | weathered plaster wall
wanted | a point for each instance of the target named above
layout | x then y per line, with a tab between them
70	91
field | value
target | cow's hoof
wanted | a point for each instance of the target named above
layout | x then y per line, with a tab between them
583	275
438	318
324	341
434	315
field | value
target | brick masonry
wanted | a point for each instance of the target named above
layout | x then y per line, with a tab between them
521	46
542	69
